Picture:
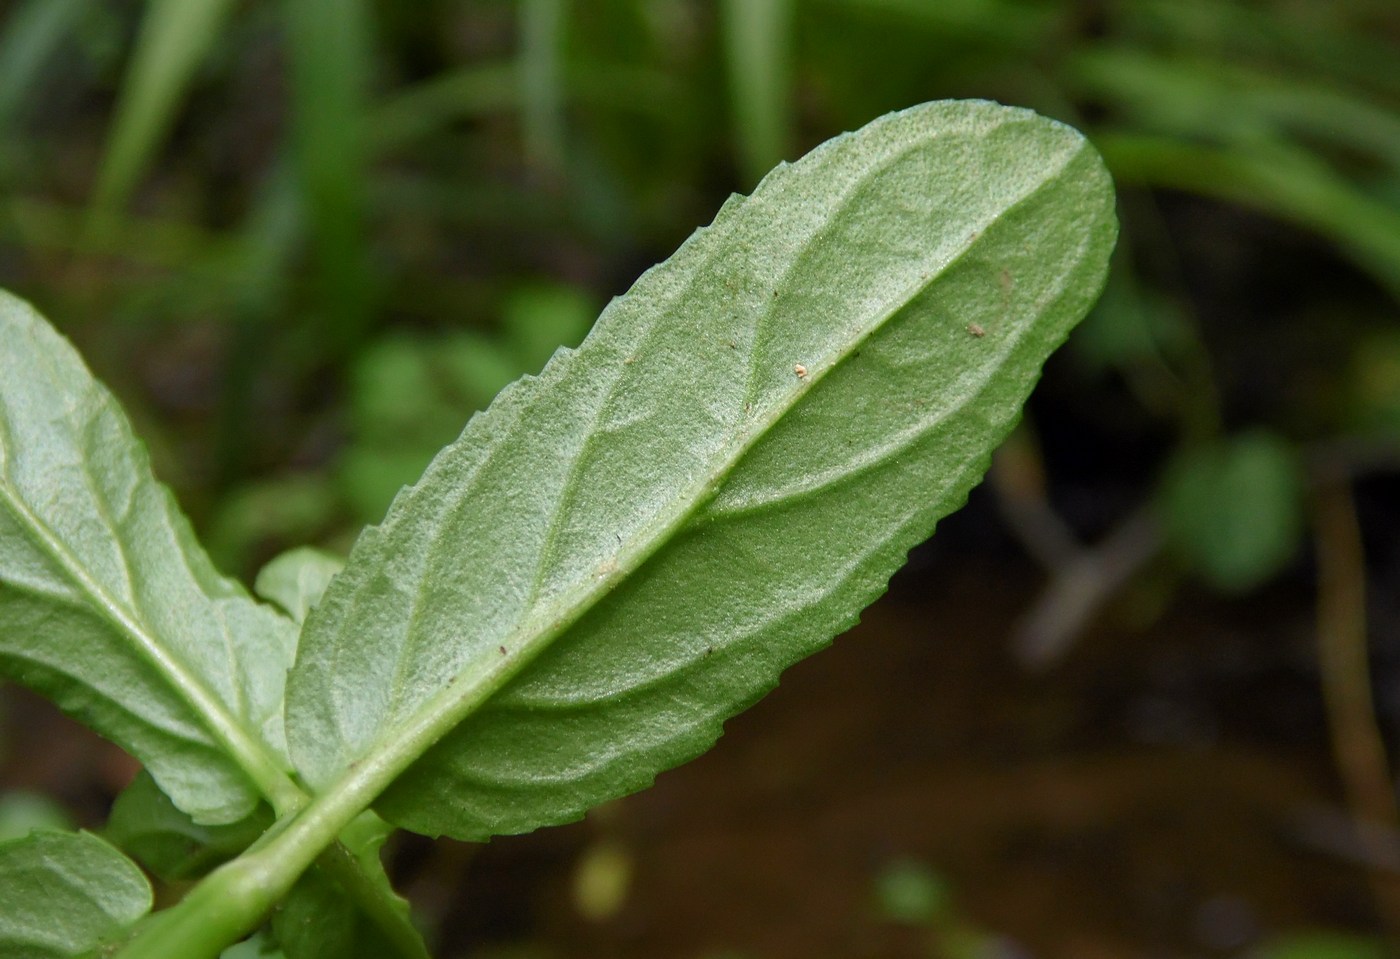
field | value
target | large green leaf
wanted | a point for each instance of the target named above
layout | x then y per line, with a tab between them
107	603
63	894
631	547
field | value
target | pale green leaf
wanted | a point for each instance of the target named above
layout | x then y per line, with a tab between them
260	946
23	812
626	550
63	894
107	603
297	579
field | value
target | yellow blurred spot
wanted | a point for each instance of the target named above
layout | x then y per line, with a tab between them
602	880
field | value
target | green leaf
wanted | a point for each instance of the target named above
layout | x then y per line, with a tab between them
147	826
1234	509
626	550
297	579
23	812
318	921
107	603
260	946
64	894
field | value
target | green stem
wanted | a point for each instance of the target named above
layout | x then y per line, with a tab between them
362	881
233	900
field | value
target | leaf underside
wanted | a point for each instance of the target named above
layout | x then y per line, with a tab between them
629	548
64	893
107	603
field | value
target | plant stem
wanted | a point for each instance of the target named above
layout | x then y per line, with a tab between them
231	901
1357	745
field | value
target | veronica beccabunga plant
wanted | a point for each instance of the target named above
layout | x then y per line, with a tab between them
618	555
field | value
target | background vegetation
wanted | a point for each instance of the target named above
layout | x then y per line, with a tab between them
1131	702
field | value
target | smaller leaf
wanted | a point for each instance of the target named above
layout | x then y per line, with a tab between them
149	827
1233	510
109	605
23	812
296	579
259	946
64	894
318	920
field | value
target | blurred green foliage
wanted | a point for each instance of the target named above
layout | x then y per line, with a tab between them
1324	945
1234	508
304	228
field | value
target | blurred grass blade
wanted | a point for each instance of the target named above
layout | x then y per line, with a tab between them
28	39
758	56
541	81
1002	23
483	89
429	106
1191	97
1275	179
328	43
175	35
1314	37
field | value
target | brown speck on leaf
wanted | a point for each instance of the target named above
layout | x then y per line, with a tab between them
502	649
629	361
800	370
976	330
